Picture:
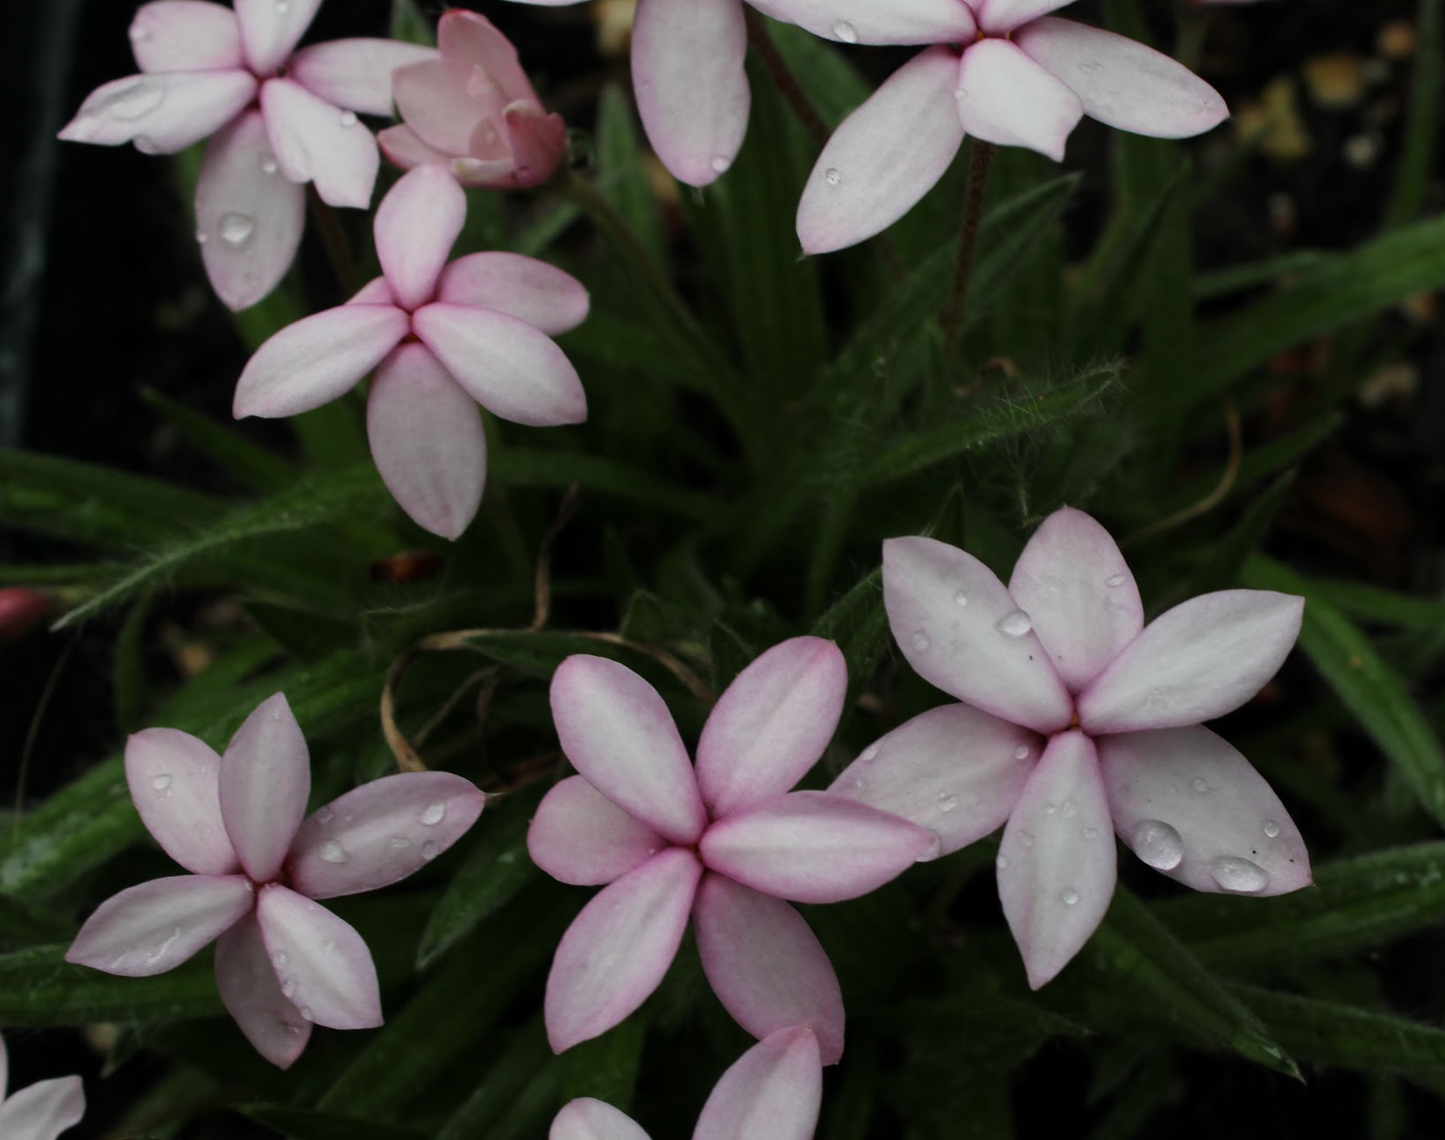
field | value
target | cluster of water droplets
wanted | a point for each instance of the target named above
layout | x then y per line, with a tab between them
1160	845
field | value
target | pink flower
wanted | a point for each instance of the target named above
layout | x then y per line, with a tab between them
725	844
41	1111
688	79
772	1092
442	338
1061	662
1003	72
21	609
235	822
208	71
473	111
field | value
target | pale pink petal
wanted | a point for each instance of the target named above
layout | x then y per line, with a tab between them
871	22
248	216
998	17
403	147
589	1119
774	1090
355	73
161	113
538	142
1192	807
471	39
427	440
265	781
4	1069
174	780
618	948
1056	861
381	832
270	29
154	927
416	225
186	35
1200	660
317	359
617	732
692	92
1122	82
44	1110
316	141
507	366
433	98
766	965
771	725
521	287
251	993
1075	585
374	292
324	966
962	631
1007	98
579	836
955	770
814	847
884	156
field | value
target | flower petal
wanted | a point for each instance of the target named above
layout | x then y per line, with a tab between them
162	113
317	359
1200	660
174	780
869	22
324	966
251	993
4	1070
44	1110
427	439
355	73
579	836
248	217
523	287
955	770
1056	861
775	1089
1122	82
998	17
588	1119
884	156
962	631
186	35
1005	97
270	29
374	292
433	99
154	927
771	725
403	147
416	225
316	141
381	832
766	965
469	38
814	847
538	141
507	366
265	781
1188	804
617	732
1075	585
692	92
618	948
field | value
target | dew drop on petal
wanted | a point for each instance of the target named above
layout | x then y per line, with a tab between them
869	753
1025	840
1239	875
139	33
832	176
921	642
1199	784
1015	623
934	849
305	1012
236	228
430	850
1114	580
1271	829
1021	752
1050	809
947	801
845	32
1089	67
398	842
720	164
348	118
288	987
434	813
1069	809
282	7
1001	862
269	164
1091	833
960	598
332	852
1158	844
279	960
324	816
1069	896
202	237
161	783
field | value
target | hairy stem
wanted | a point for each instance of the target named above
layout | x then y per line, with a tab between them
782	76
953	309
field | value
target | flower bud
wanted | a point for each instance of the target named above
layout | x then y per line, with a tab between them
21	610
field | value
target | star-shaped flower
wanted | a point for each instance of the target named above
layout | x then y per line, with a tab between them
726	844
236	823
1080	721
41	1111
279	118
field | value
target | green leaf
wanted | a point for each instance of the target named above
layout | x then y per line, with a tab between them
409	25
1329	1033
1377	604
24	924
858	623
1227	555
38	987
519	467
1260	463
606	1067
132	684
308	1124
621	178
253	466
526	1056
832	84
1422	132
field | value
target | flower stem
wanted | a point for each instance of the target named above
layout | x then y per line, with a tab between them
782	76
338	251
953	309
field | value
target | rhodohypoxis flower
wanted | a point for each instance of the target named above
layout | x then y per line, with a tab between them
473	111
726	843
235	822
1060	662
279	118
442	338
1002	72
41	1111
772	1092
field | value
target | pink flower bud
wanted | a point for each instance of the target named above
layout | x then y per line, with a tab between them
21	610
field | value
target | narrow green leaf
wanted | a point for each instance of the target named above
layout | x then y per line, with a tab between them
308	1124
606	1067
1377	604
253	466
1253	274
520	467
1260	463
409	25
1330	1033
132	683
1422	131
832	84
38	987
858	623
24	924
621	178
496	1091
1226	556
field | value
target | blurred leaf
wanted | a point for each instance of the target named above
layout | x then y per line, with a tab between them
519	467
621	177
832	84
1225	557
858	623
1328	1033
38	987
304	633
1253	274
606	1067
24	924
131	684
1377	604
1259	463
308	1124
253	466
409	25
496	1091
1411	188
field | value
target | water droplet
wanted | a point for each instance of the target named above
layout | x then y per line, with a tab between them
960	598
1088	67
347	815
1091	833
235	228
398	842
161	783
324	816
858	784
1271	829
1114	580
136	101
869	753
139	33
331	852
279	960
268	164
202	237
1015	623
430	850
282	7
845	32
348	118
1022	752
1069	896
305	1012
1239	875
434	813
1050	809
1199	784
1001	862
934	850
832	176
1158	844
720	164
1069	809
288	987
921	642
947	801
294	1030
1025	840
